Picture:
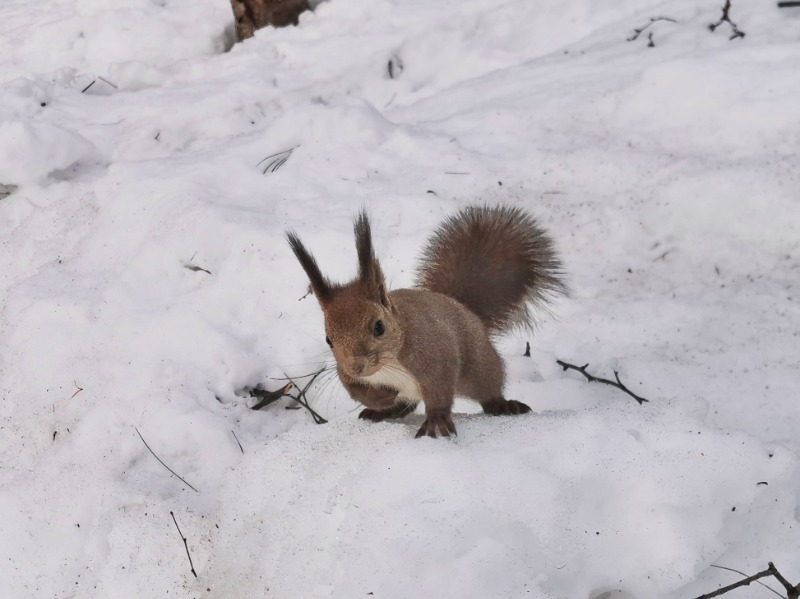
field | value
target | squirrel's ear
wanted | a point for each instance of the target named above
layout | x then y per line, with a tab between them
369	270
319	284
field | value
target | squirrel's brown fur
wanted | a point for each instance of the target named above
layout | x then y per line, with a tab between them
479	275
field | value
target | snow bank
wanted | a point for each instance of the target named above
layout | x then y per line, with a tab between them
667	175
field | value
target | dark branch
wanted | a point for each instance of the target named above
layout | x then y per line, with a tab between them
276	160
638	31
237	441
593	379
78	389
736	585
189	555
268	397
162	463
114	85
789	4
792	592
194	268
725	18
301	398
743	574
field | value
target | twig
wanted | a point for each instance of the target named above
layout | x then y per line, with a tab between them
301	397
640	30
268	397
792	592
79	389
743	574
88	86
107	81
788	4
278	160
593	379
735	31
736	585
239	442
189	555
162	463
195	268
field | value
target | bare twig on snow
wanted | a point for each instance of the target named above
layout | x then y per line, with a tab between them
161	461
78	389
725	18
792	591
238	442
276	161
189	555
640	30
593	379
268	397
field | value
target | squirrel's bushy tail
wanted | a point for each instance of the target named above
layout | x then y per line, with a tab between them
497	261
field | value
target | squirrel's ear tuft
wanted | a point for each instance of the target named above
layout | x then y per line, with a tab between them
319	284
369	270
366	255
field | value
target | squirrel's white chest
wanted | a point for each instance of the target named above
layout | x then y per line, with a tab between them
396	377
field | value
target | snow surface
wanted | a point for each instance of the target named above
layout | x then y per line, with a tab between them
667	175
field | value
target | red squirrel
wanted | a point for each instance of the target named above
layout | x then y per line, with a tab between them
479	275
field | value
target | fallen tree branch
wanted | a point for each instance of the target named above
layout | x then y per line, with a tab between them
78	389
593	379
301	398
161	461
745	575
725	18
189	555
193	267
792	592
268	397
640	30
238	442
276	160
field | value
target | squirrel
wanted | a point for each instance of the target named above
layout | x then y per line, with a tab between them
480	273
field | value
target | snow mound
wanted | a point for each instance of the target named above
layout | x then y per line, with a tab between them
30	152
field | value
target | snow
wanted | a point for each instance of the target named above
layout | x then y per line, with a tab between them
668	177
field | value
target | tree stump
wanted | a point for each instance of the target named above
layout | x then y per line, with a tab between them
255	14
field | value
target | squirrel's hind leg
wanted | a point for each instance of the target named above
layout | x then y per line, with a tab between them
399	410
484	383
500	406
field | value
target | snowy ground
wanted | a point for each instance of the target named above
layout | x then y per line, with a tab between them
667	175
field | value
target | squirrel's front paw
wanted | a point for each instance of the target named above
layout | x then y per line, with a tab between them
441	419
397	411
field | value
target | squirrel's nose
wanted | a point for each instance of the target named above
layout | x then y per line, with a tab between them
356	366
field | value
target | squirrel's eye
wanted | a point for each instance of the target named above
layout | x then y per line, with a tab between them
328	341
379	328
